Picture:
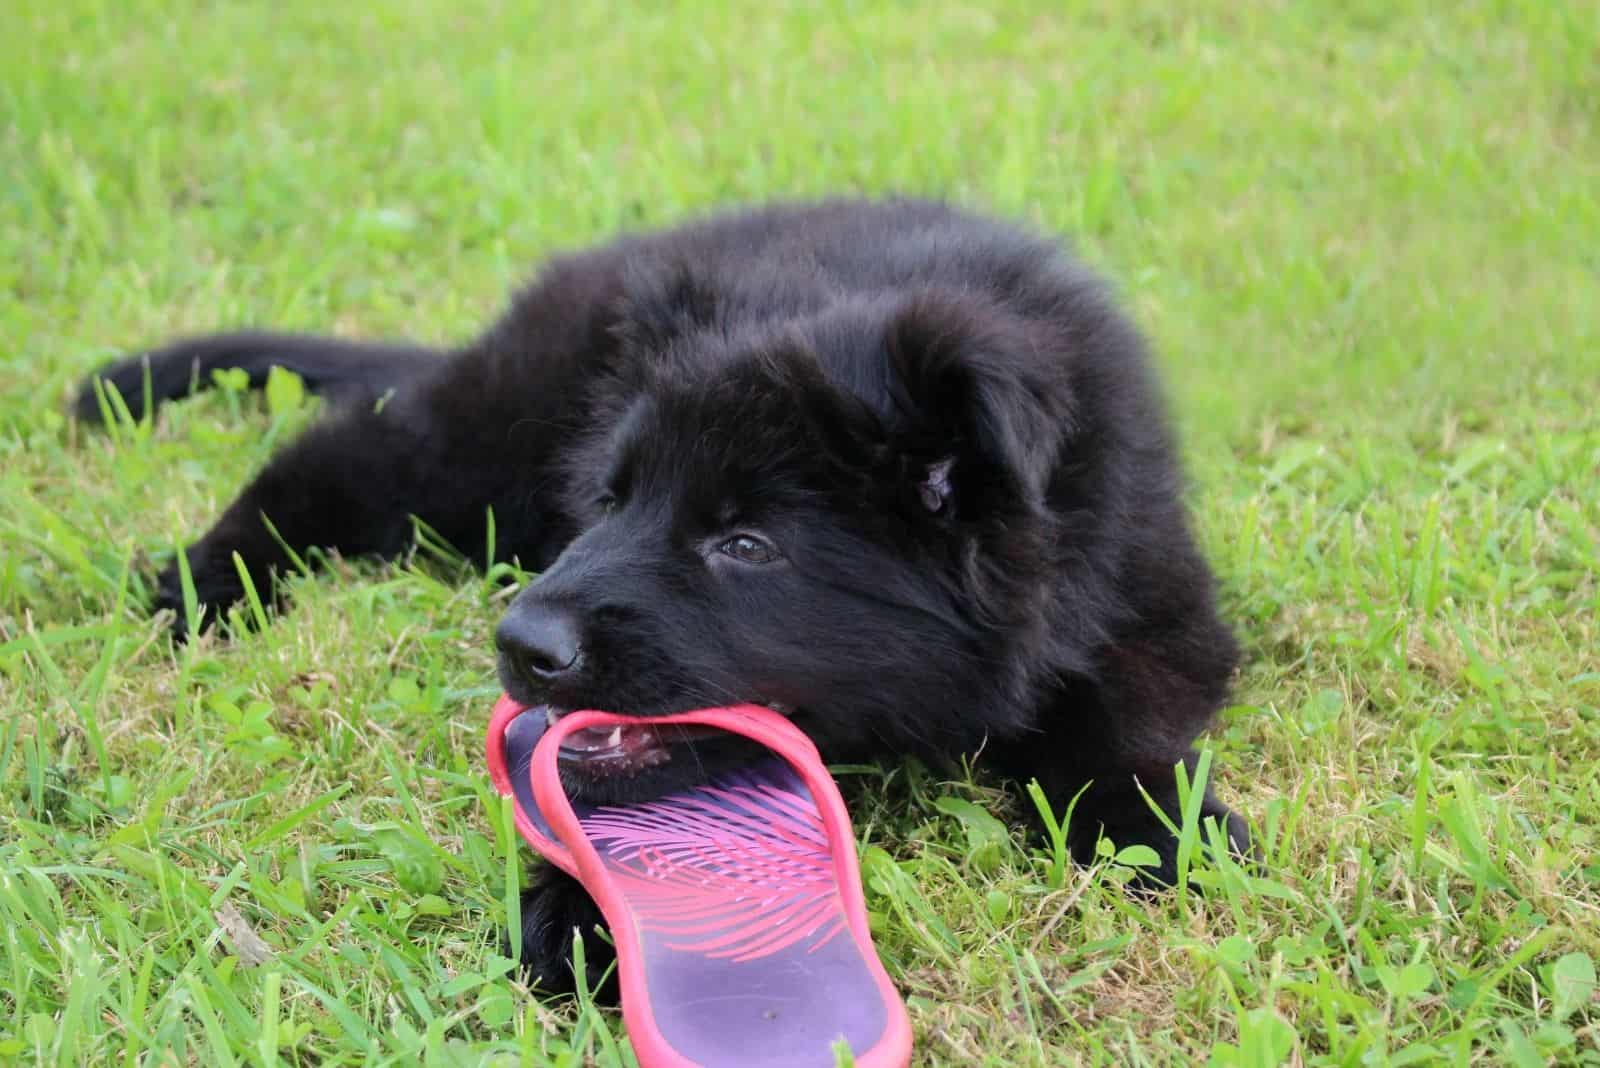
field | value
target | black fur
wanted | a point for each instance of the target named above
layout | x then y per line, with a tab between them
938	437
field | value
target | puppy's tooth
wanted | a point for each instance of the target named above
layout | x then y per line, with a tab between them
615	737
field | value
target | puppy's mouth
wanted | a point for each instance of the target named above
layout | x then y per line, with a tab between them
630	748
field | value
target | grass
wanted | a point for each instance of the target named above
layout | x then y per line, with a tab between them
1364	236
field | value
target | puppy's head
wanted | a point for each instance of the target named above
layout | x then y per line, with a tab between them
847	523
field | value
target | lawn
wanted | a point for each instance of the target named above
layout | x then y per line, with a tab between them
1364	236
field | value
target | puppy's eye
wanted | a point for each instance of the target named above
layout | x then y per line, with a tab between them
606	503
749	549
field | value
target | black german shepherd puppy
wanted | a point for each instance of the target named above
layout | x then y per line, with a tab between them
898	471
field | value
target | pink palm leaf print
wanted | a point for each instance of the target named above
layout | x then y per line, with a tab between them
737	871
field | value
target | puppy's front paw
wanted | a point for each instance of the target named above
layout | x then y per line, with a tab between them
216	588
1142	827
553	907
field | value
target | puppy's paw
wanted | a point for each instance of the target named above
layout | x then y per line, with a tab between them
1146	829
216	588
553	908
123	378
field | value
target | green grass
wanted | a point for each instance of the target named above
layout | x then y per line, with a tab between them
1365	237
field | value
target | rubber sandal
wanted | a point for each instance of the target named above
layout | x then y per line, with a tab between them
735	906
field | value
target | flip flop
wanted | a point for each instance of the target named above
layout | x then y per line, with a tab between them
735	906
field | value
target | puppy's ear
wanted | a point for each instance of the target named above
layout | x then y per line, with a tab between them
982	405
662	300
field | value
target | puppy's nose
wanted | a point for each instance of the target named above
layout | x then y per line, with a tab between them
541	641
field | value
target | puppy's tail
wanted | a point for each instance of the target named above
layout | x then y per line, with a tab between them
347	371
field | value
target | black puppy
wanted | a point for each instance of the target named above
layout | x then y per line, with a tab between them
895	470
